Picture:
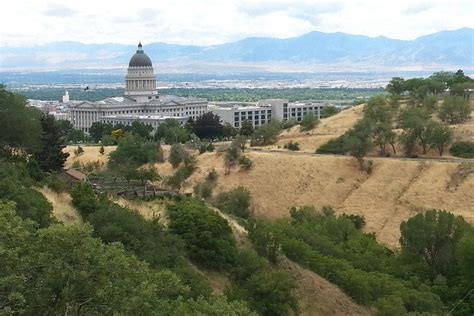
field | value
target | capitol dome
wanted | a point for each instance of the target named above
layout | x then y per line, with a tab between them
140	59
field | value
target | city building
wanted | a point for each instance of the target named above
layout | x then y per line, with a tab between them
261	112
141	100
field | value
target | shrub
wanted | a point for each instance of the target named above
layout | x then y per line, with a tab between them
334	146
289	123
177	155
308	122
207	236
79	151
212	175
204	190
56	184
293	146
462	149
245	163
454	110
357	220
236	202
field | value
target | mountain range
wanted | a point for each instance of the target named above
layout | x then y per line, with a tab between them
314	50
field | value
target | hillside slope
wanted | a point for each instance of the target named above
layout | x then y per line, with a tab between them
395	191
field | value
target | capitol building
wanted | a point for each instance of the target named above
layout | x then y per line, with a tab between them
140	102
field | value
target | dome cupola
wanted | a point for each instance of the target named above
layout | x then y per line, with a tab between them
140	59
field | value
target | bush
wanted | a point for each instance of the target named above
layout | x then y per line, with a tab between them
293	146
56	184
289	123
454	110
462	149
236	202
208	237
212	175
245	163
204	190
308	122
177	155
334	146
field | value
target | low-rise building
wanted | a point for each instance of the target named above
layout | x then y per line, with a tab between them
261	112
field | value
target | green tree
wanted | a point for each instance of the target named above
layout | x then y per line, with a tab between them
240	142
432	238
266	134
59	270
269	293
328	111
396	86
228	131
462	149
99	130
308	122
414	123
208	236
141	129
177	155
136	151
171	132
208	126
20	127
246	129
465	257
50	156
236	201
358	144
454	110
438	136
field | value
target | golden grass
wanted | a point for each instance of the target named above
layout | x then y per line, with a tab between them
62	206
91	153
326	130
395	191
317	296
148	209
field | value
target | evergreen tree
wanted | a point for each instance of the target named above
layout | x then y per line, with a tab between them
51	157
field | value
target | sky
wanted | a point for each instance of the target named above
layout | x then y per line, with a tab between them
208	22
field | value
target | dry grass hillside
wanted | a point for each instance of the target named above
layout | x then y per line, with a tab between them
62	206
327	129
395	191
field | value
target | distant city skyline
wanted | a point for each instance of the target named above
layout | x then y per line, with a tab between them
208	22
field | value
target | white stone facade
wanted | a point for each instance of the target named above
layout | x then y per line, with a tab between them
140	99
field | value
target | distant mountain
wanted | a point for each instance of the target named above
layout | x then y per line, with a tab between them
446	49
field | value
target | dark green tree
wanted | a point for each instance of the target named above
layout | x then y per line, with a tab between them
308	122
246	129
329	111
396	86
20	126
141	129
208	126
236	201
51	157
99	130
454	110
432	238
439	136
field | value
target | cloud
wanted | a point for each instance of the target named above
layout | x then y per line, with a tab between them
207	22
58	10
416	9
